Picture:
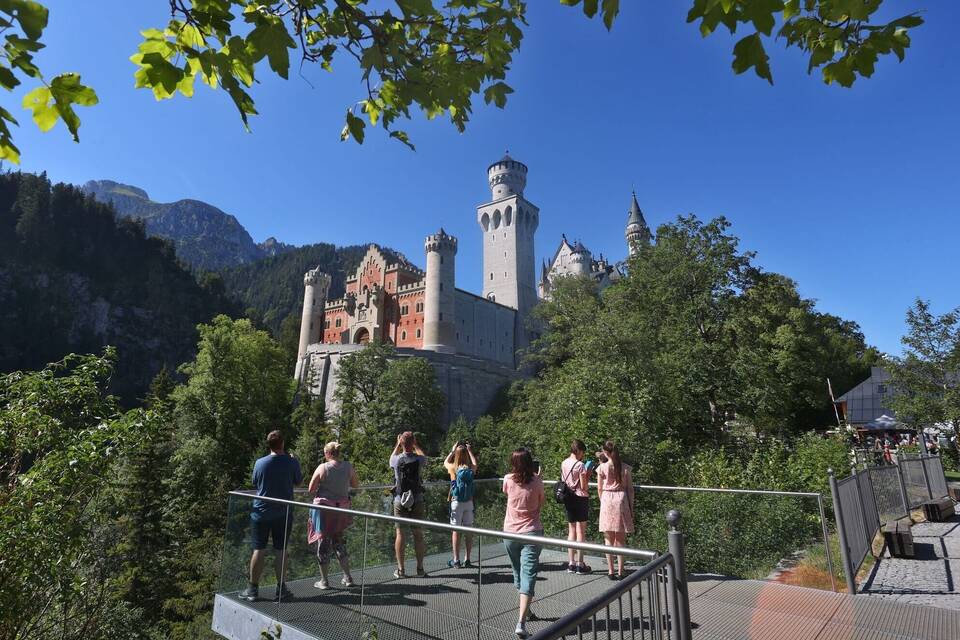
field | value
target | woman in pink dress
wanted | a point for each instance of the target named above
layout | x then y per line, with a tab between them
615	488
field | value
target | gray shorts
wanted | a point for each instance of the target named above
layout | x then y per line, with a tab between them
461	513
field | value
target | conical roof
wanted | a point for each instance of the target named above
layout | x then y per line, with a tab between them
635	216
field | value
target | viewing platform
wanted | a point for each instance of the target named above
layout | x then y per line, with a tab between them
480	602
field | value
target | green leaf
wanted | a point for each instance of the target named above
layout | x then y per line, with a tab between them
497	93
353	129
39	101
749	52
271	39
610	10
32	17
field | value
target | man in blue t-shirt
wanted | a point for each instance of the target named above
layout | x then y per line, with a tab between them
274	476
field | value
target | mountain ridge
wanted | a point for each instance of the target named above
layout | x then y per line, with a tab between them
204	236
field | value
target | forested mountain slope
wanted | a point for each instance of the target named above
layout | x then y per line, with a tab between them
74	278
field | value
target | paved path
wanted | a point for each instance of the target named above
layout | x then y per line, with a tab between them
932	578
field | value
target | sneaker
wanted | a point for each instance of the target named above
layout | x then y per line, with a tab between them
521	630
467	564
347	582
251	593
572	567
453	563
421	573
612	576
399	573
283	593
321	584
584	569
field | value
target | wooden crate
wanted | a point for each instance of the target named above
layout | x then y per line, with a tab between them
898	538
938	510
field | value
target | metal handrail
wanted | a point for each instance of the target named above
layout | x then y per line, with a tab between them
569	622
428	524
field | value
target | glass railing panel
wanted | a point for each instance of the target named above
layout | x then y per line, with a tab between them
235	556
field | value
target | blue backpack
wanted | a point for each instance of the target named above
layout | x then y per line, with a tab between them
462	486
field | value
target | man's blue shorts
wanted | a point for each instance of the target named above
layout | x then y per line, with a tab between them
262	528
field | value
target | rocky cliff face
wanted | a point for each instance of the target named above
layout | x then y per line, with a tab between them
204	236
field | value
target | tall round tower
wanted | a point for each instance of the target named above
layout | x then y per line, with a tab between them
507	177
580	260
316	284
439	321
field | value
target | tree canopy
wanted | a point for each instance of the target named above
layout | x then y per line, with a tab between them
436	56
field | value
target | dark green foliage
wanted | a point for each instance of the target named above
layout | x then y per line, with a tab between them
74	279
273	287
63	439
380	397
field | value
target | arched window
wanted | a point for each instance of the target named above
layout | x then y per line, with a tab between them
496	219
403	335
485	221
362	336
508	216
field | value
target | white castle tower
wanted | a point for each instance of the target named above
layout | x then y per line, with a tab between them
508	223
316	284
637	232
439	323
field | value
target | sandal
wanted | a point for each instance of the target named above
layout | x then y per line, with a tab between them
399	573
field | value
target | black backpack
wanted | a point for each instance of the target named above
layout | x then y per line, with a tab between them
561	491
408	474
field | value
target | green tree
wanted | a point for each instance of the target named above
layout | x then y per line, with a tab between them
63	439
237	390
381	395
433	55
309	420
925	378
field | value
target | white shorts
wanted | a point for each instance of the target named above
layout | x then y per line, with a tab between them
461	513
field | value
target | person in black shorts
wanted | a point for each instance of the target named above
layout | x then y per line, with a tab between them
274	476
576	475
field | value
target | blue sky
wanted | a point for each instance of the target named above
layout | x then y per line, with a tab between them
853	193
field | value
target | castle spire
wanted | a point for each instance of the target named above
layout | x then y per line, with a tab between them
637	232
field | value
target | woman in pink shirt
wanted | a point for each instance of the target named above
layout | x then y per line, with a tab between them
615	487
525	499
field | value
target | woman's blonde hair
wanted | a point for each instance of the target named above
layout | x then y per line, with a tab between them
332	449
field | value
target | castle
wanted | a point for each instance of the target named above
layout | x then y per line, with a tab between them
471	340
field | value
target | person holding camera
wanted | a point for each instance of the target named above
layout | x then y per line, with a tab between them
407	462
615	487
461	464
575	475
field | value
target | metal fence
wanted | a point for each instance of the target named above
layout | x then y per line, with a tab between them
867	498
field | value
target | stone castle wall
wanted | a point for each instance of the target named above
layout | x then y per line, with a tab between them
469	384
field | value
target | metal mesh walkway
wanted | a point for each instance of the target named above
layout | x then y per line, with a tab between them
445	606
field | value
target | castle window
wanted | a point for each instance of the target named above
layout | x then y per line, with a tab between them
441	259
339	321
326	325
418	333
441	286
491	275
441	317
404	310
403	335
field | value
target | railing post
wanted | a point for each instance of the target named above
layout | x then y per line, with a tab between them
926	476
842	533
675	547
903	488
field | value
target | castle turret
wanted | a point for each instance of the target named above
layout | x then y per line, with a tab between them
439	323
637	232
580	260
508	223
316	284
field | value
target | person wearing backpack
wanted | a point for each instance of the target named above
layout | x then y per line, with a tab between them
461	464
574	485
407	462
